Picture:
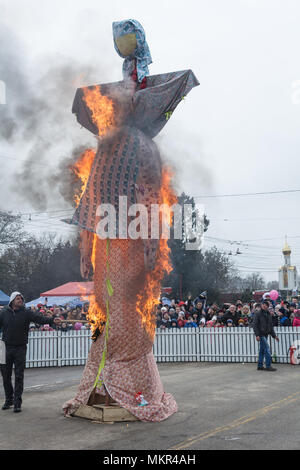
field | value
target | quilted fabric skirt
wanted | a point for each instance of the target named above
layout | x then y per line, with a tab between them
130	366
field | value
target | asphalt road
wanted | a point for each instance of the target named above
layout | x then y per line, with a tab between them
221	406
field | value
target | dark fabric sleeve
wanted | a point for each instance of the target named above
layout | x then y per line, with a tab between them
225	318
151	107
256	324
273	334
154	106
40	319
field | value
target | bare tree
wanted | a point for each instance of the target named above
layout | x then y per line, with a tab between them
254	281
11	229
39	264
273	285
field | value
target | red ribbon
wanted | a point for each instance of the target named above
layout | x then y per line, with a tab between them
134	77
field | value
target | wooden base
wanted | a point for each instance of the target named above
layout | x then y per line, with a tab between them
104	413
97	399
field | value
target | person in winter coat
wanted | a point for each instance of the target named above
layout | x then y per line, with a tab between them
199	309
232	314
190	323
190	309
181	320
283	317
245	312
15	322
274	316
174	324
158	321
166	320
263	327
210	313
296	321
172	313
277	315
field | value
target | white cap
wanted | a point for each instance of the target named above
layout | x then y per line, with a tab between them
14	295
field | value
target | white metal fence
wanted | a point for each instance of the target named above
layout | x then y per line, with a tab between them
56	348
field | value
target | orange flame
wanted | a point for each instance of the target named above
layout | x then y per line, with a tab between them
101	107
96	316
147	300
83	293
82	170
102	111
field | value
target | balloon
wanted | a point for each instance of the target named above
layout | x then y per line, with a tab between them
274	294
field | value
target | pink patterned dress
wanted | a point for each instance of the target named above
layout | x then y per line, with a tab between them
128	163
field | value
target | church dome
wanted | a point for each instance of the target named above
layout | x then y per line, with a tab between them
286	250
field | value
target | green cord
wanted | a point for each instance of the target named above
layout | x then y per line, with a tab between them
110	291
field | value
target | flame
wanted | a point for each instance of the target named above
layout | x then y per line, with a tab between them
82	170
96	316
83	293
101	107
147	300
102	111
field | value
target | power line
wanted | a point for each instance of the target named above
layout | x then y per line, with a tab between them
254	219
238	242
248	194
6	157
46	212
244	271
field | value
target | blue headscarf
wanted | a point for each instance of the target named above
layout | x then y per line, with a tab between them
141	53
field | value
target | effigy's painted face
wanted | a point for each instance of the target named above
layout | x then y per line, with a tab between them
126	44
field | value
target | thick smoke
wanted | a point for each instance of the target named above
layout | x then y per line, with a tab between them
184	154
37	118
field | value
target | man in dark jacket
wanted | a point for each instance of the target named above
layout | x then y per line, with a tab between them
14	323
263	327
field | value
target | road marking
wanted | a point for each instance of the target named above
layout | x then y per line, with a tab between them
35	386
238	422
50	384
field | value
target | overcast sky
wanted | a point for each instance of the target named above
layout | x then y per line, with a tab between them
238	132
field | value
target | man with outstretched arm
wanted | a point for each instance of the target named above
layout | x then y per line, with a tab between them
263	327
14	323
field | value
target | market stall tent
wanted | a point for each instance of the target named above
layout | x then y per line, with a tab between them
4	299
71	293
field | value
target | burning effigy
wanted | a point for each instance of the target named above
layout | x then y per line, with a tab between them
125	170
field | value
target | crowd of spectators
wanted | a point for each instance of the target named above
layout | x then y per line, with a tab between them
198	314
182	314
70	318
